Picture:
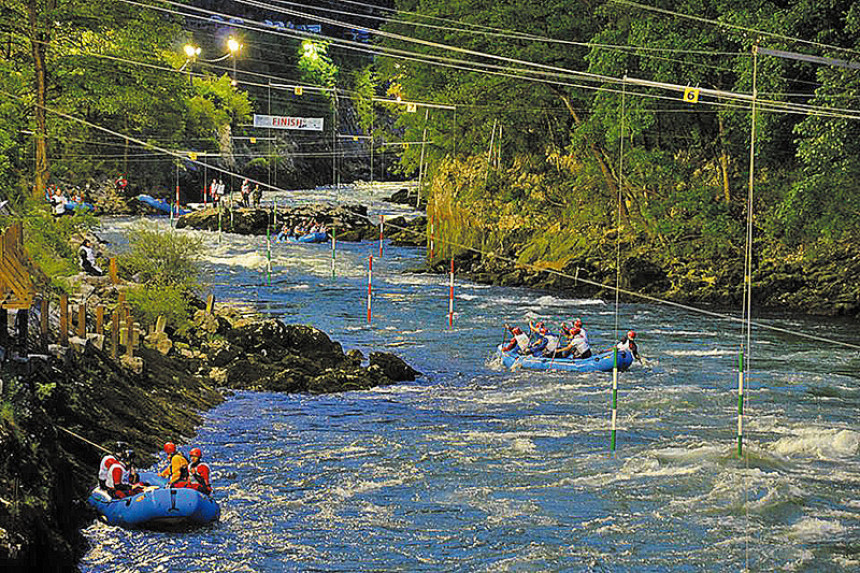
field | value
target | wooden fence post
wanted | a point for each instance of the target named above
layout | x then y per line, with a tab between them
22	330
129	336
4	328
64	320
114	335
43	331
82	320
100	319
112	270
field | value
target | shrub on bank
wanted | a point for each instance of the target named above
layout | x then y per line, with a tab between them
164	264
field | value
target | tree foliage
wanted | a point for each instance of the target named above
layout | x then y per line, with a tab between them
682	170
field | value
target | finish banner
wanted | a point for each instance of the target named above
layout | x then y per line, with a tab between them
284	122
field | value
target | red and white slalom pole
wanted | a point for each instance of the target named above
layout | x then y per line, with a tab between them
369	288
381	234
451	297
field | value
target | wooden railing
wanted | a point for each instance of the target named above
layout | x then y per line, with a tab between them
16	287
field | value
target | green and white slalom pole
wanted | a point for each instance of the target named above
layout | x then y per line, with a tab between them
614	398
268	257
219	222
333	249
741	404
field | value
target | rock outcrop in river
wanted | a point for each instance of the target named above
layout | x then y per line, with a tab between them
350	221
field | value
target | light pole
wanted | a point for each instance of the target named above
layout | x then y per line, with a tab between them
191	52
234	46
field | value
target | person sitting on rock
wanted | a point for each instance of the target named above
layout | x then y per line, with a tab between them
519	341
88	260
198	472
177	466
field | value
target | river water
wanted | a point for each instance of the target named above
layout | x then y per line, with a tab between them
471	468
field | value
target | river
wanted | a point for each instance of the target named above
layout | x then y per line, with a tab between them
471	468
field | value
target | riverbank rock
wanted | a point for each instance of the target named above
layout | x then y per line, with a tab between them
350	222
405	196
407	232
273	356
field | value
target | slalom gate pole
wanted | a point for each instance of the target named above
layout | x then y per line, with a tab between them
451	296
268	257
274	212
432	238
369	279
741	404
614	398
219	222
175	206
381	225
333	249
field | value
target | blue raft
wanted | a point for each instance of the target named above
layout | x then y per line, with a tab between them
158	507
602	362
71	206
319	237
74	206
161	205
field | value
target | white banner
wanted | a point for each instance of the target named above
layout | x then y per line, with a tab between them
284	122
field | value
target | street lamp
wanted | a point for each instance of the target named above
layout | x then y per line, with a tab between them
234	46
191	52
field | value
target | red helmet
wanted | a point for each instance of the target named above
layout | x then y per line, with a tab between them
577	323
543	330
195	453
170	448
516	330
631	334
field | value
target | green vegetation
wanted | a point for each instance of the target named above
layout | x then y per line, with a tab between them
165	266
558	165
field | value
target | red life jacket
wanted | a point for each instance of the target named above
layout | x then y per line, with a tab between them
200	473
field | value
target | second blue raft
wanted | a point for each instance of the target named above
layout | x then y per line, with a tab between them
161	205
602	362
319	237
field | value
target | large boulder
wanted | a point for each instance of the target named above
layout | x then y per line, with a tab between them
393	367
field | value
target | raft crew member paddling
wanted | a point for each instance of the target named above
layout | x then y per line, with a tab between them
578	346
109	460
519	341
121	479
627	343
198	472
177	466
